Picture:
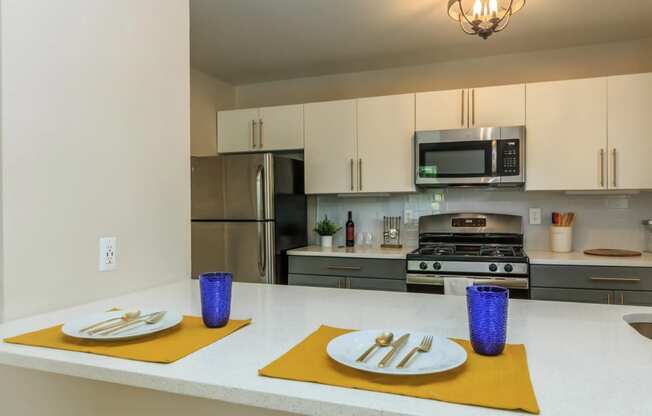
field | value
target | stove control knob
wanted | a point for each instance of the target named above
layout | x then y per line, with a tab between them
508	268
437	266
423	265
493	268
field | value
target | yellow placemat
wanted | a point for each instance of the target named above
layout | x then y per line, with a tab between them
163	347
501	382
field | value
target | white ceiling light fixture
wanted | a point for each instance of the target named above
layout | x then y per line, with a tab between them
483	17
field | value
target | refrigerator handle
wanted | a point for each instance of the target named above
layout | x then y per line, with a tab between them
260	193
261	249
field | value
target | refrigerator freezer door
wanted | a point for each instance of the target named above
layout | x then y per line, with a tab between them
244	186
208	247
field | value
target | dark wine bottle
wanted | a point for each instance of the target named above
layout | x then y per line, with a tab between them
350	231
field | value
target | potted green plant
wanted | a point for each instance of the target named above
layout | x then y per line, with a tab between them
326	229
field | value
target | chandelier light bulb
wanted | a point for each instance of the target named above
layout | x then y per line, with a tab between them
483	17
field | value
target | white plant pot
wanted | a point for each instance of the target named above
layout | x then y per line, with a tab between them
327	241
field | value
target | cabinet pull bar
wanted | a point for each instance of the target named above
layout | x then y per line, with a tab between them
348	283
360	173
622	298
253	133
602	168
343	268
462	108
616	279
260	133
615	169
609	298
351	175
473	107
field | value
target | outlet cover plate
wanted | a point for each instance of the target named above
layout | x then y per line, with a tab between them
535	216
107	257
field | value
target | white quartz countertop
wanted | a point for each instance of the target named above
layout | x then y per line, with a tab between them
356	252
578	258
584	359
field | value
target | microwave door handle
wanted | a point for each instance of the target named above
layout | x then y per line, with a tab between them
494	158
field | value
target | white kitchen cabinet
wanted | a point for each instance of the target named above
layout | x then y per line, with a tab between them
442	110
500	106
385	144
260	129
629	139
566	143
281	128
237	130
330	147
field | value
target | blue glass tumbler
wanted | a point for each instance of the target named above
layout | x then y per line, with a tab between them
215	298
487	308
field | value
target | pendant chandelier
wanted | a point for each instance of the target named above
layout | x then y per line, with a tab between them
483	17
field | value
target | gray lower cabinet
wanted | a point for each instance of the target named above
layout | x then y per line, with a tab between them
347	273
572	295
592	284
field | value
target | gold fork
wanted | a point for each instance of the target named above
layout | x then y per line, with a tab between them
426	344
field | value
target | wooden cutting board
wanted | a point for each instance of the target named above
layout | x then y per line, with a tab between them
611	252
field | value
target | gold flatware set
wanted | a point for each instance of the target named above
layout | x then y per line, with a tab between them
127	321
385	340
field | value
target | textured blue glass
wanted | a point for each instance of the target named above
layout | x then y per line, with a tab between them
215	298
487	306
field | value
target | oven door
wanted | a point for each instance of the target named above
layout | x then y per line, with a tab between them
434	283
452	162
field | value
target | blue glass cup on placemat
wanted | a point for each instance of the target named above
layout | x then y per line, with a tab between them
215	290
487	307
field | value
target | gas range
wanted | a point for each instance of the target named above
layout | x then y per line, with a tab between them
487	248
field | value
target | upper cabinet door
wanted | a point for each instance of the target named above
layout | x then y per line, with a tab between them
281	128
497	106
237	130
566	135
441	110
330	129
630	143
385	137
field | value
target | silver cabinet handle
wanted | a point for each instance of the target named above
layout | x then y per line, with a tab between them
343	268
351	174
260	133
473	107
609	298
462	108
622	298
602	168
616	279
360	174
348	283
253	133
615	168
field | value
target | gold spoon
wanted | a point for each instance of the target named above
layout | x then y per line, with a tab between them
125	317
383	340
154	319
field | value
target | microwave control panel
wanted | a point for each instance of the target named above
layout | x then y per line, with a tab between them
510	157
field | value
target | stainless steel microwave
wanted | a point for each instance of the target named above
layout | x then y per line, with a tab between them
466	157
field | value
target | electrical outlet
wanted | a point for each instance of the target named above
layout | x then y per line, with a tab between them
107	258
535	216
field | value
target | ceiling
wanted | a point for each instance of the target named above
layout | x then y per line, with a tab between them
247	41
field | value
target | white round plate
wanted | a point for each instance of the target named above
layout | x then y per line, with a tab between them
443	356
72	328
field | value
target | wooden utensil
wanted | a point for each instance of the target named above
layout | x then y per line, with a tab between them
610	252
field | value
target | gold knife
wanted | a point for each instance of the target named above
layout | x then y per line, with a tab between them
395	347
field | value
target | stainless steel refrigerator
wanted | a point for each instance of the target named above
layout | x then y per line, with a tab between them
247	211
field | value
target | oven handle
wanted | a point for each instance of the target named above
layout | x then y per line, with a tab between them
438	280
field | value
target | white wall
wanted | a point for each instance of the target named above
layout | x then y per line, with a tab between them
207	96
95	142
544	65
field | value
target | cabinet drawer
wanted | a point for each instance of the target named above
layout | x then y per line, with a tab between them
345	266
633	298
591	277
573	295
316	281
392	285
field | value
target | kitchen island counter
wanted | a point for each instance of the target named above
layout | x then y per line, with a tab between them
583	359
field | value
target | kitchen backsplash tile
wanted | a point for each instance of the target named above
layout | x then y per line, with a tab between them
612	221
